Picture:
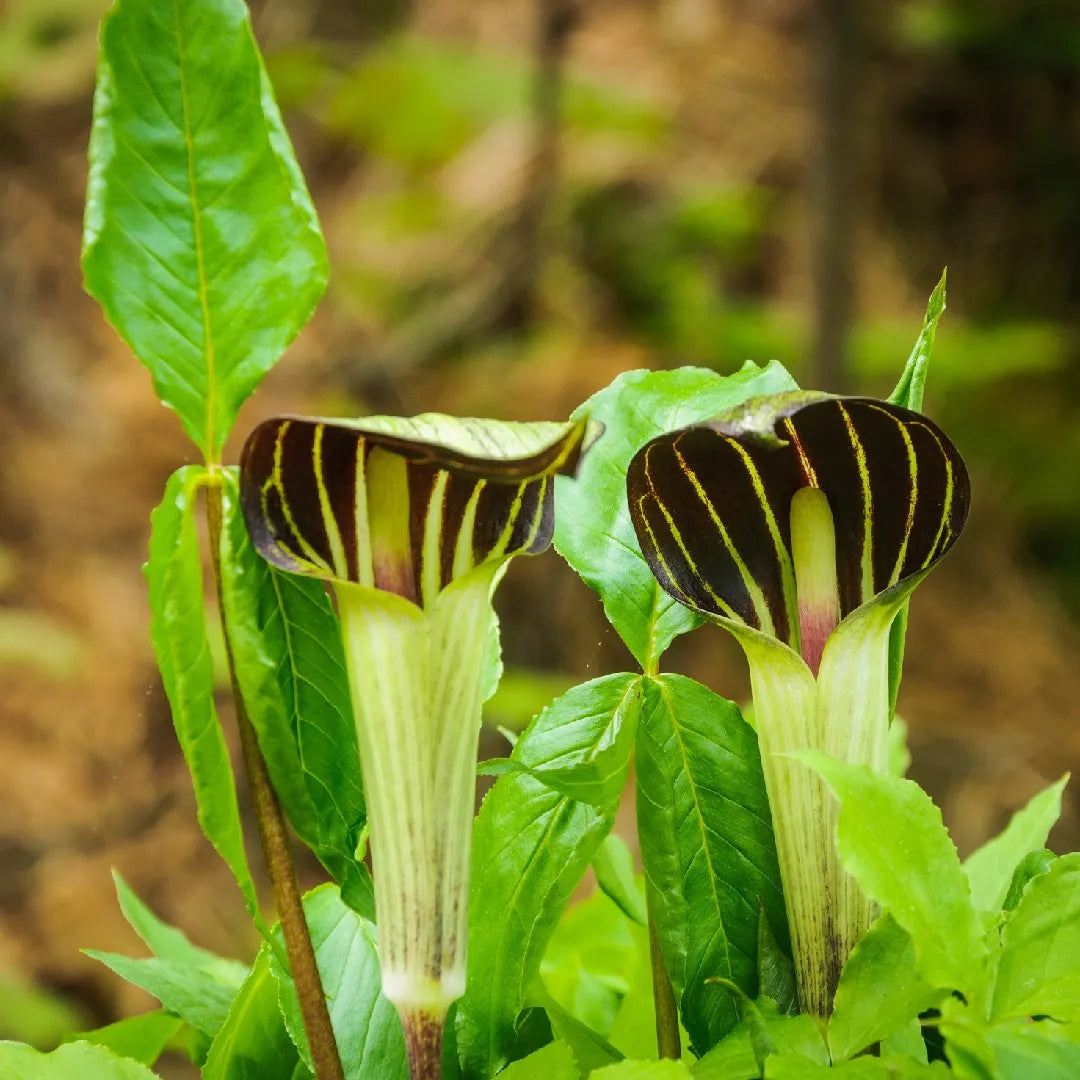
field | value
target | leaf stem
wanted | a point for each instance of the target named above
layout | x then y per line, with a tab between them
275	845
668	1042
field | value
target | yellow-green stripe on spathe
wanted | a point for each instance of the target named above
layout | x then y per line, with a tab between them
538	517
913	470
657	552
787	572
946	509
276	481
434	519
868	507
333	532
463	547
511	520
677	537
365	564
753	589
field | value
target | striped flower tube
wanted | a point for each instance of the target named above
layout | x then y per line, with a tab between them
801	523
412	521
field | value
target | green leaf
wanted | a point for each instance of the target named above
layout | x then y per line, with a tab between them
200	241
643	1070
178	632
776	972
141	1038
593	531
1017	1050
991	868
707	847
864	1068
79	1059
590	962
201	996
879	991
733	1057
614	869
169	943
31	1014
908	392
892	841
589	1048
1038	971
253	1043
290	665
906	1041
551	1062
590	772
531	845
1030	867
366	1025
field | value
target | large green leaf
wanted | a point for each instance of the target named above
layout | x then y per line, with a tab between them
707	847
368	1031
253	1043
200	240
593	531
880	990
531	846
990	869
290	665
1038	972
178	632
79	1059
892	841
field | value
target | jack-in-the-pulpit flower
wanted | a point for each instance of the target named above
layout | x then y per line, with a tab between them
801	523
412	521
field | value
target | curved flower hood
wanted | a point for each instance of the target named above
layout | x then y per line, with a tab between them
712	505
402	504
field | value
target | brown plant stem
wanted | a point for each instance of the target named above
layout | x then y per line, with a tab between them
423	1043
668	1041
275	846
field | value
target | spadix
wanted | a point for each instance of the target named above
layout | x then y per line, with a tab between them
412	521
801	523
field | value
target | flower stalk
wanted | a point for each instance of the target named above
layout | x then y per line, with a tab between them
801	523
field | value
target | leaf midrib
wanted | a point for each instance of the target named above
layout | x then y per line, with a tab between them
210	449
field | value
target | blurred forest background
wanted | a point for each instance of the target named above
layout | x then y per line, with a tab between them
523	198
